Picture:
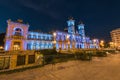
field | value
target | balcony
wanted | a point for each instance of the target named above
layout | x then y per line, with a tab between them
15	37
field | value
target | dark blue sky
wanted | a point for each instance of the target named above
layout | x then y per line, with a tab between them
99	16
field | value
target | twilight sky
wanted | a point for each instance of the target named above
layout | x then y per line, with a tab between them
99	16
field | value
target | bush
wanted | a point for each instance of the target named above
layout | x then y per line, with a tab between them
83	56
110	51
51	59
101	54
48	51
48	59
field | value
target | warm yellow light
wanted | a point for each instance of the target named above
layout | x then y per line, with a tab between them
94	40
115	44
54	34
1	47
102	41
68	42
54	42
68	36
111	43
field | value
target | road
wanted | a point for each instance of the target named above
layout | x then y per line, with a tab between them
105	68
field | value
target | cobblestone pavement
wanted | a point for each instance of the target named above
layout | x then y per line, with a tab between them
103	68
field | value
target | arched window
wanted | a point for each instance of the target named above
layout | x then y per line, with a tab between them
18	32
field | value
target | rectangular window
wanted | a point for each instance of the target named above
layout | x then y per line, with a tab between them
21	60
28	46
31	59
34	36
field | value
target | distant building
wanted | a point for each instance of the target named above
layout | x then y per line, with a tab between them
115	35
18	37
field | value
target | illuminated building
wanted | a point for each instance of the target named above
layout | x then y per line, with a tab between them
115	35
19	38
74	39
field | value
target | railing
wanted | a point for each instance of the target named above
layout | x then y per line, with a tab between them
40	39
4	62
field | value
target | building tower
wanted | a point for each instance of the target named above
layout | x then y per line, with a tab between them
81	32
16	35
71	25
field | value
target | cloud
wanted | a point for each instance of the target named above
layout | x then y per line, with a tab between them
42	7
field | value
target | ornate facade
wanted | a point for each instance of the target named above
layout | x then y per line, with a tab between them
19	38
74	39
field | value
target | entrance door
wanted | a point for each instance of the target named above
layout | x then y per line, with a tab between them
16	46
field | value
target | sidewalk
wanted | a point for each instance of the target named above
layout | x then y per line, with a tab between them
106	68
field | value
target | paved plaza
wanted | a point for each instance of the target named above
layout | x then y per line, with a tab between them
103	68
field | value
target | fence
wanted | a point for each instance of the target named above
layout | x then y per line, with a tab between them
4	62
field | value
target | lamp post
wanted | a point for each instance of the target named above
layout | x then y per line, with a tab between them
54	41
68	42
94	43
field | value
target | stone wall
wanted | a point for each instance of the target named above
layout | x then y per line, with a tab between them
17	58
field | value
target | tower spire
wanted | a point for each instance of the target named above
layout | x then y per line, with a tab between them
71	25
80	22
70	18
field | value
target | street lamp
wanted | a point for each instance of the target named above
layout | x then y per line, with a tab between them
68	42
68	45
54	34
94	43
68	37
94	40
54	41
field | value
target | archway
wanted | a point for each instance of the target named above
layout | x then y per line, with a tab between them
18	32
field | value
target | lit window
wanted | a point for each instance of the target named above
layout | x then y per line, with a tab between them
28	46
34	36
38	37
16	46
